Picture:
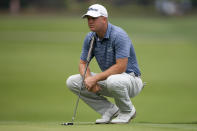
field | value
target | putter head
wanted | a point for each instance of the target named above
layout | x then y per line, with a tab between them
67	123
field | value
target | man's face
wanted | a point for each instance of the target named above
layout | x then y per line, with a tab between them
96	24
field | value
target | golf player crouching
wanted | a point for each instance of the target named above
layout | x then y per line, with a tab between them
120	76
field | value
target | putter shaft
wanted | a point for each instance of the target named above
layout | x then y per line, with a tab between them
83	77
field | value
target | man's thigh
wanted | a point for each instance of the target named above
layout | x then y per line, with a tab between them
124	80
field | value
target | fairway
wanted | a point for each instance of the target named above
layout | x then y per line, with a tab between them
38	53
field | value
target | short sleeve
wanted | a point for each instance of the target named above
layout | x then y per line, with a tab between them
122	45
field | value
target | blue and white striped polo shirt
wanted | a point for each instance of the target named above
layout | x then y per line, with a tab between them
115	44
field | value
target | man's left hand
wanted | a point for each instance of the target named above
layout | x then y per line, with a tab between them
90	82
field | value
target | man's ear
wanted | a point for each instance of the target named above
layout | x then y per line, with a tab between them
105	19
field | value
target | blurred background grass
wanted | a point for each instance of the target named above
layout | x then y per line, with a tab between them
39	51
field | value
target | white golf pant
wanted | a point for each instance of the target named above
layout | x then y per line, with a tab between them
120	86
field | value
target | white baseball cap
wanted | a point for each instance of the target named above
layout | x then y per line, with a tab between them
96	10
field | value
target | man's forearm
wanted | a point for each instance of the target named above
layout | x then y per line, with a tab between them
118	68
82	66
111	71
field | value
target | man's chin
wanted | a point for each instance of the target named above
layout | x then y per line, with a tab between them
92	29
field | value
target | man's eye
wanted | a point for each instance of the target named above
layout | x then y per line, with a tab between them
92	18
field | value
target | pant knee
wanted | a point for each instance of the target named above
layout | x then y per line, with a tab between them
71	82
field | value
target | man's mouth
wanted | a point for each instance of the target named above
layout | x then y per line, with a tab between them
91	26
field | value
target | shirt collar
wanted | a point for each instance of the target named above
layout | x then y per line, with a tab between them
107	34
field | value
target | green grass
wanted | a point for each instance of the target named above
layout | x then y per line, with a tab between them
37	54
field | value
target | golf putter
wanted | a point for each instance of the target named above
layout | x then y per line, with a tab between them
83	78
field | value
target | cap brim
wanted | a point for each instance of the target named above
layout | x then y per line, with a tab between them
92	14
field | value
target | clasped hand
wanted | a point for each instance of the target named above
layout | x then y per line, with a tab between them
91	84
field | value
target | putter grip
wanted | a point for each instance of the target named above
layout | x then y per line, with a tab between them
90	49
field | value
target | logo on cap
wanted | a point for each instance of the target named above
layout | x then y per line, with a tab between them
92	9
